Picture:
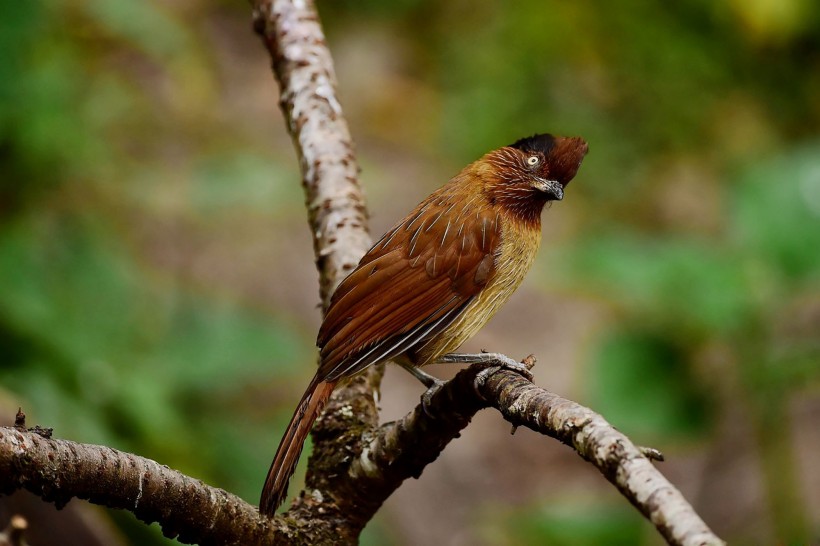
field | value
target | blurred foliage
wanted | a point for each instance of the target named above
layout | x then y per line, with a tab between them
125	151
642	383
573	522
753	288
101	102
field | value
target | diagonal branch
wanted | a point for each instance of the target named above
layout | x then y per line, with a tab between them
401	449
615	456
337	215
304	70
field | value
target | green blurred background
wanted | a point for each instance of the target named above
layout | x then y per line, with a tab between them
157	287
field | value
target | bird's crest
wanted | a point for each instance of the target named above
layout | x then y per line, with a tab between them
542	143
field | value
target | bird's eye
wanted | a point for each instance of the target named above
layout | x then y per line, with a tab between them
532	160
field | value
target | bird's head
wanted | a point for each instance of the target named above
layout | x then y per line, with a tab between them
534	170
547	163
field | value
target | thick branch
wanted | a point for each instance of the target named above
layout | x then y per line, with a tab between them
618	459
401	449
337	215
58	470
304	69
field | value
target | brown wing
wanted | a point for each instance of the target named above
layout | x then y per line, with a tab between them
413	283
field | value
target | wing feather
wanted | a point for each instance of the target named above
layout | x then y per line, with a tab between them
411	285
396	345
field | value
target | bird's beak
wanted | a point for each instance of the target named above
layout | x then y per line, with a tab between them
552	188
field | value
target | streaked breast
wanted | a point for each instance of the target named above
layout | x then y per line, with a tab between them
514	258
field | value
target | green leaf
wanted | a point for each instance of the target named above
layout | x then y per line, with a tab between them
691	286
776	213
642	384
573	522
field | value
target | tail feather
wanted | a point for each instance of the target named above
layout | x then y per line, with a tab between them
287	455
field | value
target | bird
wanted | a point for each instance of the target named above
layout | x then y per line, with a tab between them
434	279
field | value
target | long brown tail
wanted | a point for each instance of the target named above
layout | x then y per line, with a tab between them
287	455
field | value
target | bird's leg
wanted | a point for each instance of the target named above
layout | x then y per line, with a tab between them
426	379
492	360
433	384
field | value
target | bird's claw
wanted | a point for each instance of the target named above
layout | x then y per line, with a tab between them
502	362
427	397
492	362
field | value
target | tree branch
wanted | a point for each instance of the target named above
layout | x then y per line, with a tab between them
337	216
383	459
58	470
304	69
401	449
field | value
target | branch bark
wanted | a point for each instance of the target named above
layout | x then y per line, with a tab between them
348	495
356	464
59	470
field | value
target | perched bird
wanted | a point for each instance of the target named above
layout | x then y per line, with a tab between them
435	278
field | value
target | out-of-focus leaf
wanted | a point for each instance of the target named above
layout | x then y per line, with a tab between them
776	213
643	385
573	522
230	181
146	24
19	23
129	348
687	285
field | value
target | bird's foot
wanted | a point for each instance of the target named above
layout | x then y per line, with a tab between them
433	385
493	361
426	379
427	397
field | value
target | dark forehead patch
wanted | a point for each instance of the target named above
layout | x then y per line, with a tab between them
536	143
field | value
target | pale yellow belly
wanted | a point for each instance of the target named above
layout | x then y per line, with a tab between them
516	254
